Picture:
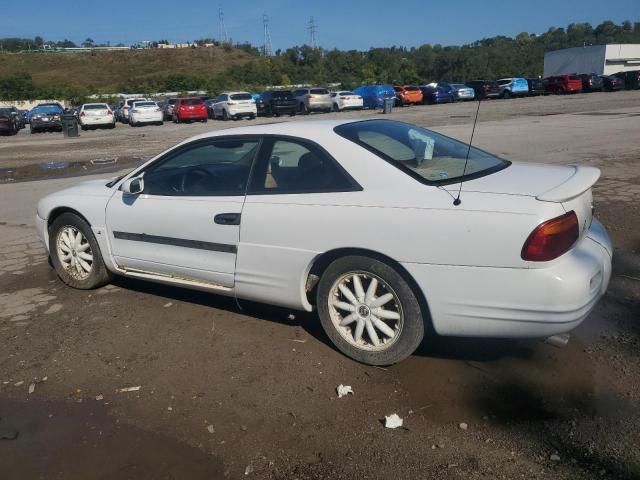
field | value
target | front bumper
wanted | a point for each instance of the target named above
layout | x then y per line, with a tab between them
43	125
517	302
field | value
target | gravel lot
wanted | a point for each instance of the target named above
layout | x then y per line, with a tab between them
249	392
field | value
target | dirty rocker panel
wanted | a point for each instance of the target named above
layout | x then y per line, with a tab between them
176	242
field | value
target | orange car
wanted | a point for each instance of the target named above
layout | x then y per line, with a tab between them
407	94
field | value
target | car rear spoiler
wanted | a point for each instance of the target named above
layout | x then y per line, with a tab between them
582	180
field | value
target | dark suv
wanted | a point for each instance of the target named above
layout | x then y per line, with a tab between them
591	82
631	79
277	102
485	88
536	86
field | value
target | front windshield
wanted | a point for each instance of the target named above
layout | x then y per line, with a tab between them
425	154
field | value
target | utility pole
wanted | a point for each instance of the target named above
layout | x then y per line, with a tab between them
267	48
223	30
313	29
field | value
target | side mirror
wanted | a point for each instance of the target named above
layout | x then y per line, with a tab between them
133	186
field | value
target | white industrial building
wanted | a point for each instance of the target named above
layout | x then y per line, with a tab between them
599	59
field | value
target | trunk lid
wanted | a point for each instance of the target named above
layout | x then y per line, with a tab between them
568	185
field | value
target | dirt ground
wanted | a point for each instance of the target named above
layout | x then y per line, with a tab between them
245	390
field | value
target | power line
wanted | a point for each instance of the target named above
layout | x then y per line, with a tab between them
313	30
224	38
267	48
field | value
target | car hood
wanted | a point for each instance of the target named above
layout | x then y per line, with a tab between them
528	179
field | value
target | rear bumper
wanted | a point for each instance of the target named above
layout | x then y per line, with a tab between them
320	105
243	111
518	303
94	121
146	117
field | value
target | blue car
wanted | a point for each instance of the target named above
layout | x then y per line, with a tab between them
435	93
513	87
373	96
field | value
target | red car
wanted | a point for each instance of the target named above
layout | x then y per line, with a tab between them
189	110
561	84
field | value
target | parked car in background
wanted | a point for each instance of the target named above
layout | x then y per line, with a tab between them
46	117
591	82
8	122
536	86
145	112
513	87
561	84
408	95
314	99
373	96
96	115
17	114
485	89
631	79
460	91
435	93
346	100
167	108
234	105
190	109
611	83
278	102
209	104
125	108
299	215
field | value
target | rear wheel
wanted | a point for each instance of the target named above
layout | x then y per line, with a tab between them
75	253
506	94
369	311
225	115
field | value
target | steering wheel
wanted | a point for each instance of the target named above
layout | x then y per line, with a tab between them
197	177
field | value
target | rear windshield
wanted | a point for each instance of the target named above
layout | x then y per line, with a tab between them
283	94
241	96
346	93
411	89
192	101
96	106
424	154
50	109
145	104
133	100
319	91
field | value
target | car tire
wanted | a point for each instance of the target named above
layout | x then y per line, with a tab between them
506	95
402	328
74	274
112	126
225	116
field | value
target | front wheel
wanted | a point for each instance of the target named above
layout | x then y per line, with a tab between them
369	311
75	253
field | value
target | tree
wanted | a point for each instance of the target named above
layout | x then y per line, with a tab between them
88	43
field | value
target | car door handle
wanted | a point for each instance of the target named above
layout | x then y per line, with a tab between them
227	219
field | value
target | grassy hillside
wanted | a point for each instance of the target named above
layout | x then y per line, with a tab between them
106	71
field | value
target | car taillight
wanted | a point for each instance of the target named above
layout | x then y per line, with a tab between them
109	112
82	114
157	109
552	238
309	96
232	103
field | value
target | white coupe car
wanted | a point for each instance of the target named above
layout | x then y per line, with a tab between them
359	219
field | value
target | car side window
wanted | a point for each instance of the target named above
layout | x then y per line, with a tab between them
291	166
211	168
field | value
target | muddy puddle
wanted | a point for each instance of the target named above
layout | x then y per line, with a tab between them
62	169
70	440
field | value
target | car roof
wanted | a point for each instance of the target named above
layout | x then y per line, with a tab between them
304	129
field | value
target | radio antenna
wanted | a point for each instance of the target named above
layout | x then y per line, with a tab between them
457	200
